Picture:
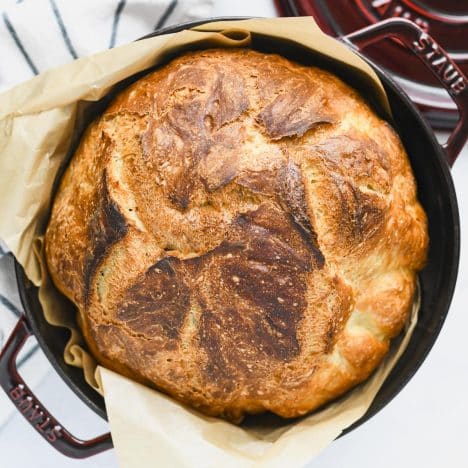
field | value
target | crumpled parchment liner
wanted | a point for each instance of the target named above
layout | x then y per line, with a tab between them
39	122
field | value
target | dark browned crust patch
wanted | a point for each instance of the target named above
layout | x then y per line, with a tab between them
156	305
261	266
106	227
193	128
290	115
357	173
292	197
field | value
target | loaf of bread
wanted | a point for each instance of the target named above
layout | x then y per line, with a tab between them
240	232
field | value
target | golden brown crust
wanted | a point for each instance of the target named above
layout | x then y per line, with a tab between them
241	232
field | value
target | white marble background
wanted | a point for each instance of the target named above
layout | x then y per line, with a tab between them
424	426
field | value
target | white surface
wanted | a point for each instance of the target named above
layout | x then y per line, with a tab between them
424	426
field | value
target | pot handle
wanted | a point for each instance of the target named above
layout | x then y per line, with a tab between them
435	58
32	409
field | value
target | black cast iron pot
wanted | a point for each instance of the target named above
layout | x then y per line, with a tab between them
430	162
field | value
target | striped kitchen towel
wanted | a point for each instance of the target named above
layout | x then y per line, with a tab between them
39	34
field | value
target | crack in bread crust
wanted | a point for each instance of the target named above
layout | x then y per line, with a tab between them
240	232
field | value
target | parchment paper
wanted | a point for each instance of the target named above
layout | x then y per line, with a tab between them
38	123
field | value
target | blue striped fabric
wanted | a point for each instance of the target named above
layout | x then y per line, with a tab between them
39	34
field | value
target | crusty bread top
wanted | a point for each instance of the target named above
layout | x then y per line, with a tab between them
241	232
